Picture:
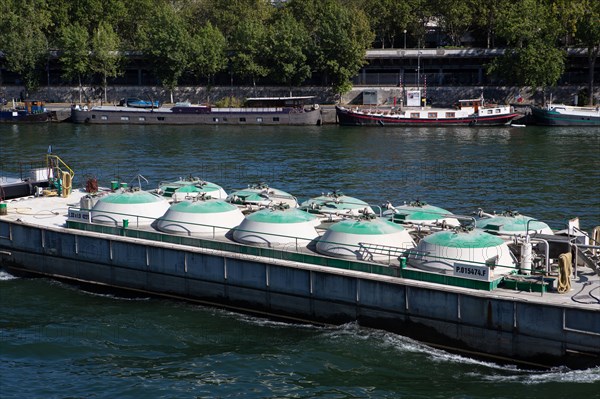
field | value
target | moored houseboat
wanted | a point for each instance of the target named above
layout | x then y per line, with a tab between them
257	111
469	112
566	115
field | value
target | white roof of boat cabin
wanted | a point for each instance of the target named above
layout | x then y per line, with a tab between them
279	98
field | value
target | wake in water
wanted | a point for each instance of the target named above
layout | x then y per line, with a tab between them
5	276
489	372
486	370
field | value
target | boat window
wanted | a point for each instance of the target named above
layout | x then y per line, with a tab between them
224	119
415	115
450	115
160	118
497	110
242	119
259	119
490	111
104	117
275	119
141	118
124	118
432	114
215	119
93	116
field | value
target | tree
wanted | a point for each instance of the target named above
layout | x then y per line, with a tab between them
208	52
531	29
23	41
588	33
248	44
388	19
166	42
75	57
287	48
228	15
456	17
106	55
339	37
486	18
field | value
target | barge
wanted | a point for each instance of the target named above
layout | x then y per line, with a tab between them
257	111
469	112
566	115
501	286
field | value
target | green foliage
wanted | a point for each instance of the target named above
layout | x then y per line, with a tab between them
248	42
588	34
286	48
339	37
456	17
75	57
106	57
229	102
532	30
537	64
23	41
288	41
208	49
166	42
388	19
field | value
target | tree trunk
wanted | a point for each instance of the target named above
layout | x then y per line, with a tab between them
592	55
105	100
80	90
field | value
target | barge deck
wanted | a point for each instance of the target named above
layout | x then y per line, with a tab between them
525	323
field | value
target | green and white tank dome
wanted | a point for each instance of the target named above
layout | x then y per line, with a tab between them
355	239
421	213
199	189
138	207
277	226
190	185
445	251
262	195
512	223
210	217
338	204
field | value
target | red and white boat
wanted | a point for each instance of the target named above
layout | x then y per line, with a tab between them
470	112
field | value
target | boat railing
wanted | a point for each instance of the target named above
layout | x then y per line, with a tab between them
289	252
490	263
367	250
252	109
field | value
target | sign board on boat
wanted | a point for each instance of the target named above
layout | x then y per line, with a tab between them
473	272
413	98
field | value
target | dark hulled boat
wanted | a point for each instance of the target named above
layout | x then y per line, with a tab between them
257	111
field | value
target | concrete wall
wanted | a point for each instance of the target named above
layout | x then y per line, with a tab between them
441	96
449	318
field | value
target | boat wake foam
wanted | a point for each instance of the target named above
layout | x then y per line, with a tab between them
5	276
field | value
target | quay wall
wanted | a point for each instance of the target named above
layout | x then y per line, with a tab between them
441	95
464	320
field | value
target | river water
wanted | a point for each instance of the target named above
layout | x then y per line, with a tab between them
57	341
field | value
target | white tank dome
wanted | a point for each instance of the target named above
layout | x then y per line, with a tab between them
445	251
422	213
199	189
210	217
343	239
138	207
336	203
262	195
512	223
277	226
